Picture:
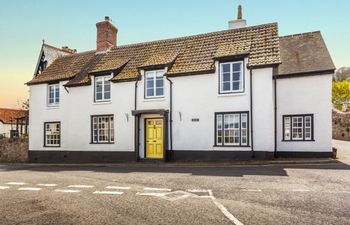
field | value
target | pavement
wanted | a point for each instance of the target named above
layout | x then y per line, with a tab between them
304	193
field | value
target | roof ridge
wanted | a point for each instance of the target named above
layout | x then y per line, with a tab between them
76	54
300	34
196	35
59	49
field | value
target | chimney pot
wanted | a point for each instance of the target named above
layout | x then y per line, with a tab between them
240	22
239	14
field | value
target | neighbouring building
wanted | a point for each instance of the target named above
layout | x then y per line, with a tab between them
240	93
13	121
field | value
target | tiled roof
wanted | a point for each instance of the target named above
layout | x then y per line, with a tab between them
8	116
304	53
64	68
184	56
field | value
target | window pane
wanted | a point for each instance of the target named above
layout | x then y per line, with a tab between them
99	86
236	67
159	92
159	82
286	128
219	129
150	92
236	86
236	76
226	68
226	86
226	77
98	96
107	95
297	128
150	83
57	98
108	86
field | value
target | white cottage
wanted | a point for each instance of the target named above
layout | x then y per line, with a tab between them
236	94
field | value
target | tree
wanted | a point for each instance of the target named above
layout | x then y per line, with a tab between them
341	95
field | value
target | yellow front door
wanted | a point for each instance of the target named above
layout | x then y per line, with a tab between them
154	138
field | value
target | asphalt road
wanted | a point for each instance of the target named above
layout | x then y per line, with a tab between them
158	194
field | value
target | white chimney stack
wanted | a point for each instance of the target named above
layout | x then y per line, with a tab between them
239	22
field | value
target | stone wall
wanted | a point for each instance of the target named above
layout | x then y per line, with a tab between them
13	151
341	125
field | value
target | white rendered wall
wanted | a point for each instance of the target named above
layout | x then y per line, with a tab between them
74	113
197	97
306	95
263	110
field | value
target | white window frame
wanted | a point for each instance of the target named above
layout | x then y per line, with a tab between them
108	122
104	79
241	78
154	74
291	125
234	126
52	133
56	94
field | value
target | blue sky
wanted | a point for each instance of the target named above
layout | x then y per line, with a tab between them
24	24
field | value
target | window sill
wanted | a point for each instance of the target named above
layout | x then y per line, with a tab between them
102	103
46	146
158	99
231	94
52	107
231	146
102	143
298	140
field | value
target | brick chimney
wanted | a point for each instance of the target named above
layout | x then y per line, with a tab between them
106	35
239	22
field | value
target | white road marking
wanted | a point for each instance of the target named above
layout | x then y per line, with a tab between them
16	183
156	189
337	192
47	185
80	186
151	194
29	189
4	187
115	187
224	210
108	192
301	190
67	191
253	190
197	190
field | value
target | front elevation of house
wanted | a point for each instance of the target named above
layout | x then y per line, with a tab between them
236	94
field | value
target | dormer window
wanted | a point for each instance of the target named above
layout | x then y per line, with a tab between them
53	98
102	89
231	77
154	85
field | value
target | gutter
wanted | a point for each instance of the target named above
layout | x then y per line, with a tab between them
275	115
251	112
65	88
171	113
136	126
